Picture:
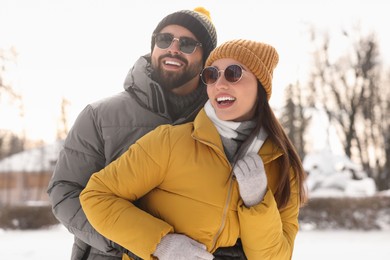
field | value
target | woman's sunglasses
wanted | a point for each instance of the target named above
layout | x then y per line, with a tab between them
233	73
187	45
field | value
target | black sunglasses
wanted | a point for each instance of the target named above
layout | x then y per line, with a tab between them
187	45
233	73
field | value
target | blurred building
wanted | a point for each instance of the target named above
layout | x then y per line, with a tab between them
24	176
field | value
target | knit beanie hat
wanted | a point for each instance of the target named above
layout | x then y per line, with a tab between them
260	58
198	22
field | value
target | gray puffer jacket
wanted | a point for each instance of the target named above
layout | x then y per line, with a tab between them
101	133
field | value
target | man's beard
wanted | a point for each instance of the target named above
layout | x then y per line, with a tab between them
169	80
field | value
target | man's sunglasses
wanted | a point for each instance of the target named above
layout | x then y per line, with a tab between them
187	45
233	73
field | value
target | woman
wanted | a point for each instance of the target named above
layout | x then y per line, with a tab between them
231	175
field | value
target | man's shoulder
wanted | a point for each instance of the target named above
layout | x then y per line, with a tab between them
113	100
110	109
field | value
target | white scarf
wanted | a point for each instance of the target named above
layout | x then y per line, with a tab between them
227	129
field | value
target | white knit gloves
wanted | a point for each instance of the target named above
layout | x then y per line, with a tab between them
181	247
251	178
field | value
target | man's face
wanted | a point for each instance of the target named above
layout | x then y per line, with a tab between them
173	68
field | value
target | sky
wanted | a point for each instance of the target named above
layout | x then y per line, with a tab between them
81	50
56	242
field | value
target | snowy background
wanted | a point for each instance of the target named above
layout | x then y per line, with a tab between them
50	59
56	243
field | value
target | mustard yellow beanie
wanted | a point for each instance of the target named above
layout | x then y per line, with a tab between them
260	58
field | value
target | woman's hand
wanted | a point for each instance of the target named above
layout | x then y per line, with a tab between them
251	178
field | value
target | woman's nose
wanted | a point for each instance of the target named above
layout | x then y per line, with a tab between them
221	82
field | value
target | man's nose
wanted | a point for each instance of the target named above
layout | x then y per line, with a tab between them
175	46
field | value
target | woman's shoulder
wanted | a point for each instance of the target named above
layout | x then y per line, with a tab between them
174	131
270	151
171	131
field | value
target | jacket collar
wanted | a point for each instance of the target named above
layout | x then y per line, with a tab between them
147	92
206	132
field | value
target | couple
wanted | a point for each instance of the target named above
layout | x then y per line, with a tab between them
228	183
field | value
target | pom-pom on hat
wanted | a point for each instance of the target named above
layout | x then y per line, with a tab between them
198	22
260	58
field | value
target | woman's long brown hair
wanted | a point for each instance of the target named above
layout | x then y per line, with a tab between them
289	160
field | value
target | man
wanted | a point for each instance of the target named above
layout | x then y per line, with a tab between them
162	88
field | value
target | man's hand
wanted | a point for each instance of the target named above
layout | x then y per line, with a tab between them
181	247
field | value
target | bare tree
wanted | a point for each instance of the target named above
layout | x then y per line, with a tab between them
7	56
10	142
384	126
351	92
62	129
295	117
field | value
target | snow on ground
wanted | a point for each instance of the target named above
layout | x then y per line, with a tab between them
342	245
55	243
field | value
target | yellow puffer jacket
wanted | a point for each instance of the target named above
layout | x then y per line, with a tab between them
183	182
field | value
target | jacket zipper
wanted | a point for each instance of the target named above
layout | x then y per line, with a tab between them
225	210
229	195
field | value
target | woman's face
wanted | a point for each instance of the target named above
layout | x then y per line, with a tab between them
233	101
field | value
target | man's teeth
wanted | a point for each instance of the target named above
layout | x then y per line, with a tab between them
222	99
168	62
